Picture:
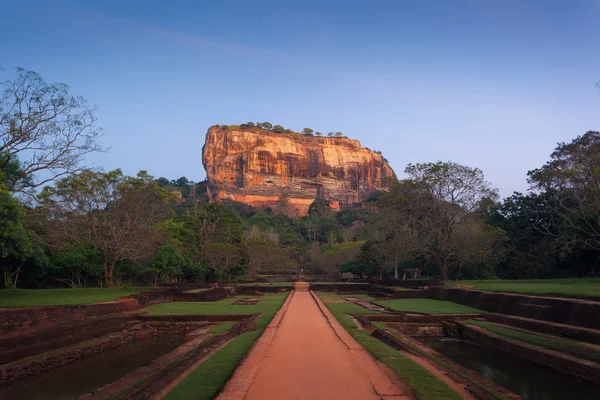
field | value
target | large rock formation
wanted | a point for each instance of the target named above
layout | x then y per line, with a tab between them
262	168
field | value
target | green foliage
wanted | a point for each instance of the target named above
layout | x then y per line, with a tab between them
167	263
278	129
75	265
576	349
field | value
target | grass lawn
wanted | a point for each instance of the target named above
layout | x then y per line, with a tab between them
221	327
575	349
429	306
424	385
208	379
586	288
362	296
268	305
267	284
59	297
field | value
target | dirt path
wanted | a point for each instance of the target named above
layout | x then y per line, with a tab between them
307	356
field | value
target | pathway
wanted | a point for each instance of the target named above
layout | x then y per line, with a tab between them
306	354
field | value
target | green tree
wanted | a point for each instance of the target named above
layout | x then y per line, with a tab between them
266	125
278	129
338	134
74	266
437	201
307	131
571	183
318	133
116	214
168	263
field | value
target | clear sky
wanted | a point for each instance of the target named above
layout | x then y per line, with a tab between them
493	84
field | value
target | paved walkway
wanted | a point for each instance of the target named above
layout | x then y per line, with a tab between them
306	354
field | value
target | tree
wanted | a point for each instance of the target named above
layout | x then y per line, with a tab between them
14	240
338	134
74	266
278	129
318	133
44	126
440	199
330	134
116	214
168	263
571	184
183	181
307	131
222	258
266	125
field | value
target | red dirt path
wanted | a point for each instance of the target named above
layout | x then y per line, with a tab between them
306	354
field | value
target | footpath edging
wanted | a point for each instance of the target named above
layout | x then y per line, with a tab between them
381	383
238	385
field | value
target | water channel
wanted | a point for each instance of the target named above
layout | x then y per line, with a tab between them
83	376
530	381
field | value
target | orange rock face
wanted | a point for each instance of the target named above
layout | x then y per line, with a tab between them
266	169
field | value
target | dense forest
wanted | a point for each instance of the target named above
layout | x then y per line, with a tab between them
64	225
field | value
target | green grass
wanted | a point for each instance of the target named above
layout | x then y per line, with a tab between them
59	297
424	385
222	327
429	306
268	305
362	296
586	288
208	379
262	284
572	348
198	290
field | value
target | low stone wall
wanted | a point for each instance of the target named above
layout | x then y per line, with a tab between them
565	311
255	290
30	343
215	294
14	321
416	319
419	329
413	283
343	288
196	317
568	365
20	370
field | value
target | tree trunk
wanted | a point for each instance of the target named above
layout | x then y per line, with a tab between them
444	267
108	273
396	271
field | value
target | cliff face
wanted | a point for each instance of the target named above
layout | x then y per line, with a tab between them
263	168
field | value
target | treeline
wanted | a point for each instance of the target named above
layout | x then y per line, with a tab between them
62	224
267	126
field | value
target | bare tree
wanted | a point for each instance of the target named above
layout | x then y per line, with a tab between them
45	127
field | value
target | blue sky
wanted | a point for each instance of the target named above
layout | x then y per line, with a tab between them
493	84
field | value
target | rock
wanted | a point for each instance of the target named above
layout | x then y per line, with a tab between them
266	169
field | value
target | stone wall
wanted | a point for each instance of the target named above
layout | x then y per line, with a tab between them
63	334
28	367
14	321
565	311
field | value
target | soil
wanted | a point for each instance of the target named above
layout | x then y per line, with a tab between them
308	355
